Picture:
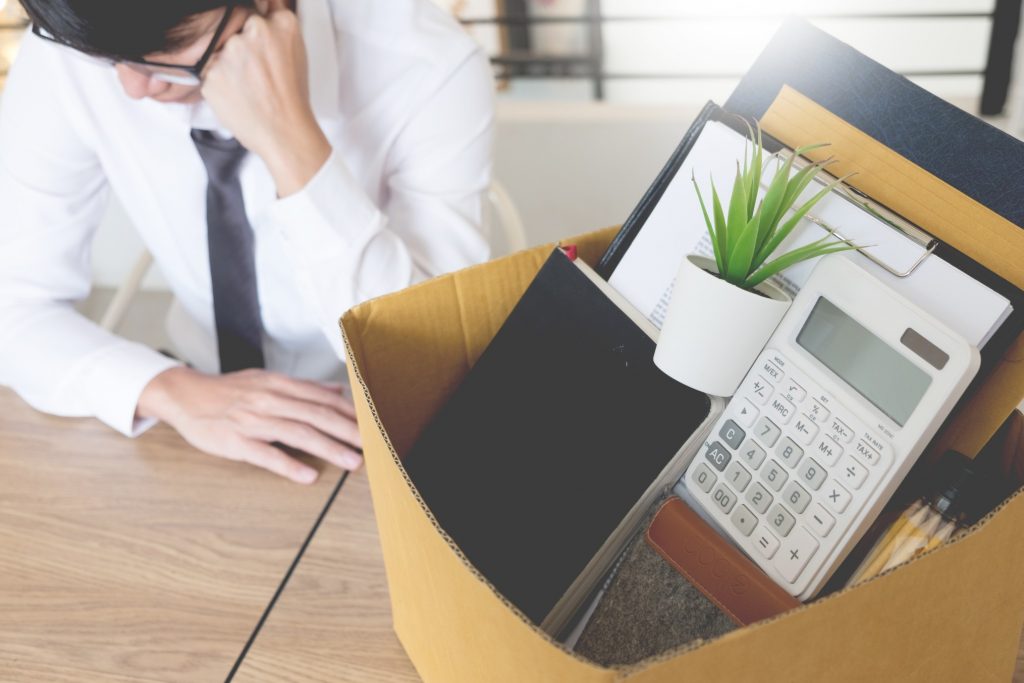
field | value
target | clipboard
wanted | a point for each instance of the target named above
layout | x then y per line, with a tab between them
939	175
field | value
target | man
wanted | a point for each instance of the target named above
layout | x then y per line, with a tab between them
281	163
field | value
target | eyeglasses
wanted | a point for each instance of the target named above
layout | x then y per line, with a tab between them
177	74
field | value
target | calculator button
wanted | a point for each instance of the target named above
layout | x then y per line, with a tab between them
836	497
760	390
780	410
792	391
796	551
774	475
811	473
820	521
796	496
732	434
840	430
723	498
805	430
780	520
744	520
772	371
767	431
752	454
789	452
867	454
704	477
851	472
827	450
760	498
817	412
747	413
765	542
718	455
737	476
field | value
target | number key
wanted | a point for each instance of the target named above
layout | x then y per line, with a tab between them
812	474
759	497
724	498
780	520
789	452
752	454
737	476
774	475
704	477
797	496
767	431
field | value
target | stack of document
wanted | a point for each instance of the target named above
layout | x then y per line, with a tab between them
676	228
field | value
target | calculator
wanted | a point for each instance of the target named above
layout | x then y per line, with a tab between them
845	396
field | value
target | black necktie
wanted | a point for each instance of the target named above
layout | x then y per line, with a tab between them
236	304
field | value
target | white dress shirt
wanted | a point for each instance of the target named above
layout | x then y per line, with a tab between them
405	98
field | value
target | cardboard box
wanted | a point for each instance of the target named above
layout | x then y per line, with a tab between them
953	614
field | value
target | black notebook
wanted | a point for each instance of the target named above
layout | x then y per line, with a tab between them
541	462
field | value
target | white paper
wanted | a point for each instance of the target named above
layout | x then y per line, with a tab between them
676	228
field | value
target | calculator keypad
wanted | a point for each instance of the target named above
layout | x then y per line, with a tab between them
784	467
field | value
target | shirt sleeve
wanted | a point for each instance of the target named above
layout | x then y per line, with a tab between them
346	249
53	193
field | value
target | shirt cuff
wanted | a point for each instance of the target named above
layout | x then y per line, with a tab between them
331	213
115	382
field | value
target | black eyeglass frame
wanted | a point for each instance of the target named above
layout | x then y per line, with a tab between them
196	70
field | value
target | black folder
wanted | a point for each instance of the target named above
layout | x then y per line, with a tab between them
554	439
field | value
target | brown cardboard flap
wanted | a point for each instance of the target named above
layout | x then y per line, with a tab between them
941	210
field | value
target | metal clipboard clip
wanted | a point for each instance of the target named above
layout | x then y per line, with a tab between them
863	202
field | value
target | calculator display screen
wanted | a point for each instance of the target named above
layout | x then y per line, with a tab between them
878	372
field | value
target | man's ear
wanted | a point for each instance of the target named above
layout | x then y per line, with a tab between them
266	7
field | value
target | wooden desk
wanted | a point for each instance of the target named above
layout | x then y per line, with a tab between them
134	560
333	621
144	560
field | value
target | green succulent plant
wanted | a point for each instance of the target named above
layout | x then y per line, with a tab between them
751	232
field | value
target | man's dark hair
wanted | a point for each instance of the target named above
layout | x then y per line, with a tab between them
122	29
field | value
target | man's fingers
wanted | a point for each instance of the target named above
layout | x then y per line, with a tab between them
325	418
313	392
277	461
303	437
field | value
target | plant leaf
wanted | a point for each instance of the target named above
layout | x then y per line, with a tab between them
786	228
772	202
808	251
756	166
707	222
737	211
743	253
721	228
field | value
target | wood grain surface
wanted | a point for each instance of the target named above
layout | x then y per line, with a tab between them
134	560
145	560
333	621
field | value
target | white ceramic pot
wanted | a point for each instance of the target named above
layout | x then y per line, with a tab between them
714	330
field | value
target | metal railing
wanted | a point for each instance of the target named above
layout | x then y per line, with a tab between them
518	61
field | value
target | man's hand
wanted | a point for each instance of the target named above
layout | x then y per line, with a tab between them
239	415
258	85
